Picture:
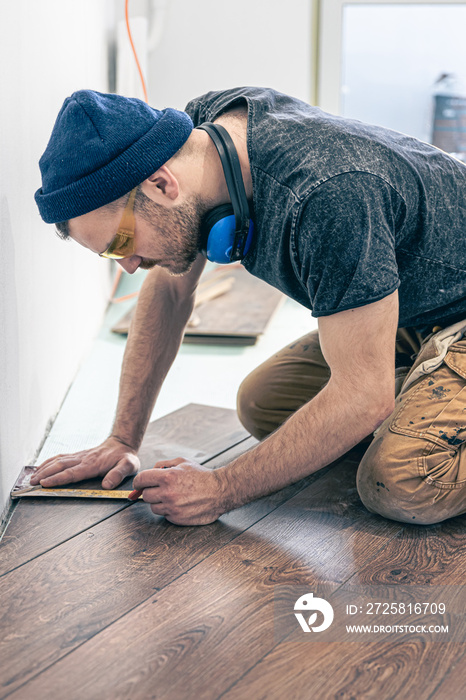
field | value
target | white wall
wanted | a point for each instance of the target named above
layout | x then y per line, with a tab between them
216	44
52	293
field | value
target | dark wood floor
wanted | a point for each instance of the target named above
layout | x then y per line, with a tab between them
103	600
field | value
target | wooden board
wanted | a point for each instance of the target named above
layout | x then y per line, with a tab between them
452	681
402	669
238	317
196	633
396	667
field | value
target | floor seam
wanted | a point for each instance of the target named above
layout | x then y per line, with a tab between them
7	514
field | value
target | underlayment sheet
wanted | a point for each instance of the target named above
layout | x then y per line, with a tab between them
237	317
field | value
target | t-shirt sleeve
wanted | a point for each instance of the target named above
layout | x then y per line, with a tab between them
344	243
196	110
212	104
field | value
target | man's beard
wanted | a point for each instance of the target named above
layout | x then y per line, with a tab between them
178	230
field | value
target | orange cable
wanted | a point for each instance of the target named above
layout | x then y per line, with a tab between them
143	82
144	89
116	282
125	297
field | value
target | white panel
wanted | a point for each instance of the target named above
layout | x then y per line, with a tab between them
392	55
392	38
330	50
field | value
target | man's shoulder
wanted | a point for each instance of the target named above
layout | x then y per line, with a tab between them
212	104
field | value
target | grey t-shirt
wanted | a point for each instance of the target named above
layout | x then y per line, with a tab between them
346	213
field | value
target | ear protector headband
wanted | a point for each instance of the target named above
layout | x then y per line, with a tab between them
227	230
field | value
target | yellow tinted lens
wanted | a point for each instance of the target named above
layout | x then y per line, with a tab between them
120	247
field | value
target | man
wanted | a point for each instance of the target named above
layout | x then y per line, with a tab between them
364	226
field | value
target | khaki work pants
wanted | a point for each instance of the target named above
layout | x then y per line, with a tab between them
414	469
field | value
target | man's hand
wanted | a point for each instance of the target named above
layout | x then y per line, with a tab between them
112	458
185	492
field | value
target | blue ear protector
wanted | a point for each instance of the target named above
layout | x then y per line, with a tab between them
227	230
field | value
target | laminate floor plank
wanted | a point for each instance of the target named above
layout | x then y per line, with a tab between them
76	589
39	524
221	320
201	632
392	669
196	431
431	559
454	681
432	555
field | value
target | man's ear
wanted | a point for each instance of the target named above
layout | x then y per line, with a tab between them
162	182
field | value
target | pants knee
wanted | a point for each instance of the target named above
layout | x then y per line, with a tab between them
246	405
390	483
377	490
256	405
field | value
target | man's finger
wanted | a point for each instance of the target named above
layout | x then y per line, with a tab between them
152	495
149	478
165	463
59	463
61	458
67	476
54	468
49	461
159	509
115	476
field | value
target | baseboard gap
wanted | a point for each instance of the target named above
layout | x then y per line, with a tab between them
7	514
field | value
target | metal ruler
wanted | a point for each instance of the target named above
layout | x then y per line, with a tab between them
72	493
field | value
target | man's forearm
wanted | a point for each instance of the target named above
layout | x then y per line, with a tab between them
317	434
359	347
156	332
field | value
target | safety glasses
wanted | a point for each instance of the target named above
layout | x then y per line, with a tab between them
122	245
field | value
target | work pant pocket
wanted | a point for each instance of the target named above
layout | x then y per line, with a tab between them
434	411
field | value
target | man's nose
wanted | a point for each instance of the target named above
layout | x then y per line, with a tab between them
131	264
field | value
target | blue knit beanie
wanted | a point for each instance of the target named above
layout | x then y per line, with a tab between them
103	145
